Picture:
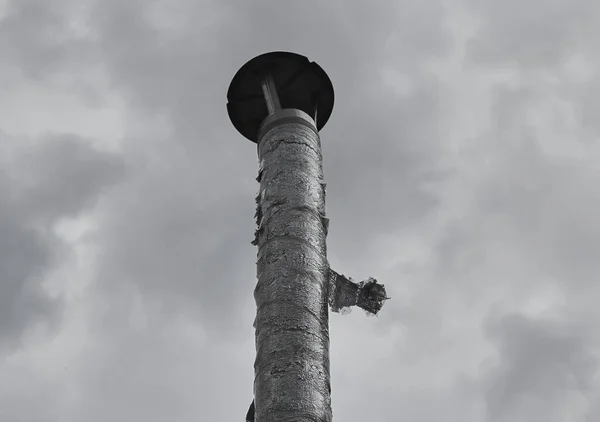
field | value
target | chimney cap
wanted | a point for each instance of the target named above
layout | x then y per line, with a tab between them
300	83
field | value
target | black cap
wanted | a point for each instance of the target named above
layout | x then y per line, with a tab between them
300	84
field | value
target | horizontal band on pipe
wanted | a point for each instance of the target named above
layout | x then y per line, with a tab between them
287	115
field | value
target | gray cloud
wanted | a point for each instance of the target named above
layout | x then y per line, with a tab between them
25	254
64	176
543	366
163	368
41	185
533	34
37	36
168	230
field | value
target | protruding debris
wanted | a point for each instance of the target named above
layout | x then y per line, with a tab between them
250	414
343	293
258	216
325	222
371	296
257	233
258	213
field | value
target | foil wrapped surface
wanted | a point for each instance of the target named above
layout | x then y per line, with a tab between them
292	336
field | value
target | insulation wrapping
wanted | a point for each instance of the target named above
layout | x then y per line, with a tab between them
292	337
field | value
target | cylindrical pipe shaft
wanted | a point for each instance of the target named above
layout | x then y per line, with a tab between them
292	381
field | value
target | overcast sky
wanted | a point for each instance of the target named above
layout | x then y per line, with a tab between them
462	166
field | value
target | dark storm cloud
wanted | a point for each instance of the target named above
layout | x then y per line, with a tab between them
541	364
40	185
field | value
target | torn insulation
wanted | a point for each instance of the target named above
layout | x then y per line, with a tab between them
250	414
371	296
257	216
344	293
325	223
